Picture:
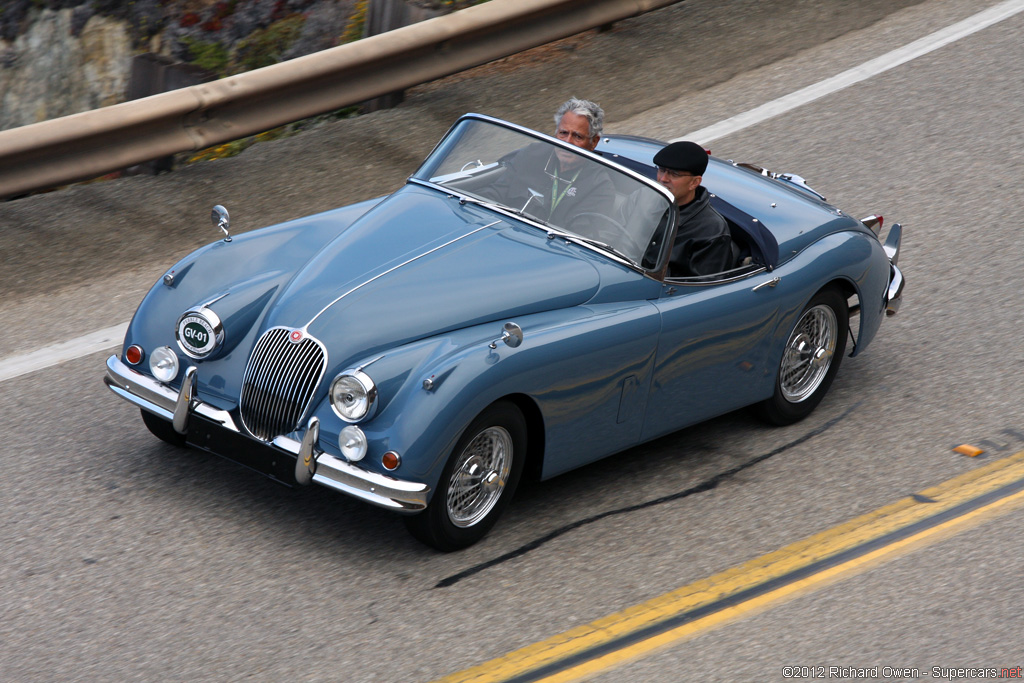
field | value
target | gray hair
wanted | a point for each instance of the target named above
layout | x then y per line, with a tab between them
590	110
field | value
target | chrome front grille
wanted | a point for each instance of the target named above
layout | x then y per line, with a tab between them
279	382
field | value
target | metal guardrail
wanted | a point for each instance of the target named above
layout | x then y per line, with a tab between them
92	143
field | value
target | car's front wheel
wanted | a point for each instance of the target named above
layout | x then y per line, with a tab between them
162	429
810	360
477	481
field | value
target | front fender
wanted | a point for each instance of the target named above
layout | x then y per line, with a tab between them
573	364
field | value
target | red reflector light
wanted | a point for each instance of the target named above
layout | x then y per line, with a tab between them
390	460
133	354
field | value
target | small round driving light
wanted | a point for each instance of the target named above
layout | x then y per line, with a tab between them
133	354
163	363
352	442
353	396
391	461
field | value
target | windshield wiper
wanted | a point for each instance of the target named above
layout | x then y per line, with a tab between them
466	199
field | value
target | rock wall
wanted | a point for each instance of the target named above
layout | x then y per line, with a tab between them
60	57
56	67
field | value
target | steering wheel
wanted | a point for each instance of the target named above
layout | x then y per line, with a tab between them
605	229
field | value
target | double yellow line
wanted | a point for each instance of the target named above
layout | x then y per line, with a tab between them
921	519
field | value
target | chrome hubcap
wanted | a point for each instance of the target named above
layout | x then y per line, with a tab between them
808	354
479	476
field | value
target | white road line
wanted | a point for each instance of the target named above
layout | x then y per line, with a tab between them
101	340
857	74
109	338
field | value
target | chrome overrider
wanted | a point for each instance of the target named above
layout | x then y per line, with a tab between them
894	292
311	463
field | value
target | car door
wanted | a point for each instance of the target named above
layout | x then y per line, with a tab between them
713	350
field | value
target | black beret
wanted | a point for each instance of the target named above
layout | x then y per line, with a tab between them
683	156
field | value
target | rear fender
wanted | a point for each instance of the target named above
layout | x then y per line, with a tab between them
853	259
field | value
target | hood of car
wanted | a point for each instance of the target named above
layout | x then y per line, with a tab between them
419	264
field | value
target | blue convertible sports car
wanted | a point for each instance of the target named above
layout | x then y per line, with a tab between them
422	351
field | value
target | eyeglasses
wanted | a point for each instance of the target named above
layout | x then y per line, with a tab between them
570	136
672	173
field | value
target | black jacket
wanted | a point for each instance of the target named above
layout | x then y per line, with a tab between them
588	188
703	243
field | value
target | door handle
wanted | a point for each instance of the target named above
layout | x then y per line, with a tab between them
770	283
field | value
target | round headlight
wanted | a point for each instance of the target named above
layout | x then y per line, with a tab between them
353	396
352	442
163	363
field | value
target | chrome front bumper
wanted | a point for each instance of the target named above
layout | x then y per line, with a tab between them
311	464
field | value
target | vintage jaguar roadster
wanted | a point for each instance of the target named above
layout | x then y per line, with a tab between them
423	351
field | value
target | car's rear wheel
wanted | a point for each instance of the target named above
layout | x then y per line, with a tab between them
477	481
810	360
162	429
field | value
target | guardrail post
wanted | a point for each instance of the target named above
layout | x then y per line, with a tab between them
152	74
383	16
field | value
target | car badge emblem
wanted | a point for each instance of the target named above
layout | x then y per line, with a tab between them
295	337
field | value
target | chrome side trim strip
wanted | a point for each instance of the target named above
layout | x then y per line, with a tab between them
400	265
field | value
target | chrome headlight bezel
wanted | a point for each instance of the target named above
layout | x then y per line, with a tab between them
207	325
359	402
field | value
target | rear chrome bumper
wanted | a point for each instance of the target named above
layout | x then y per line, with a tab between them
178	407
894	294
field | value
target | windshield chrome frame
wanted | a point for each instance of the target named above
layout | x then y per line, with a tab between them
557	231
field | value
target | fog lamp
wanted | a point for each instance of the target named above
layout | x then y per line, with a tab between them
352	442
163	363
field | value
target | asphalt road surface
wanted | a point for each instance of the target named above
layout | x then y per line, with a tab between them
127	560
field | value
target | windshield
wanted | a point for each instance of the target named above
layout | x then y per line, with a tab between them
536	178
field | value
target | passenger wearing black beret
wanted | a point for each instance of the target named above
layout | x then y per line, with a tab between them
703	244
683	156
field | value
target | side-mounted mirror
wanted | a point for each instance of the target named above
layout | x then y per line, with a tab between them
511	334
221	219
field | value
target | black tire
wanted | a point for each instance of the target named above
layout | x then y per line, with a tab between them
492	444
162	429
810	360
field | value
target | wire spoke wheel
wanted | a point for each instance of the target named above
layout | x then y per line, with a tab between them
810	358
477	481
479	476
809	353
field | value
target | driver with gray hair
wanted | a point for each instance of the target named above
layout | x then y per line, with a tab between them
575	134
564	188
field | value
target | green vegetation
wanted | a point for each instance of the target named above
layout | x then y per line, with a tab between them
208	55
267	46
